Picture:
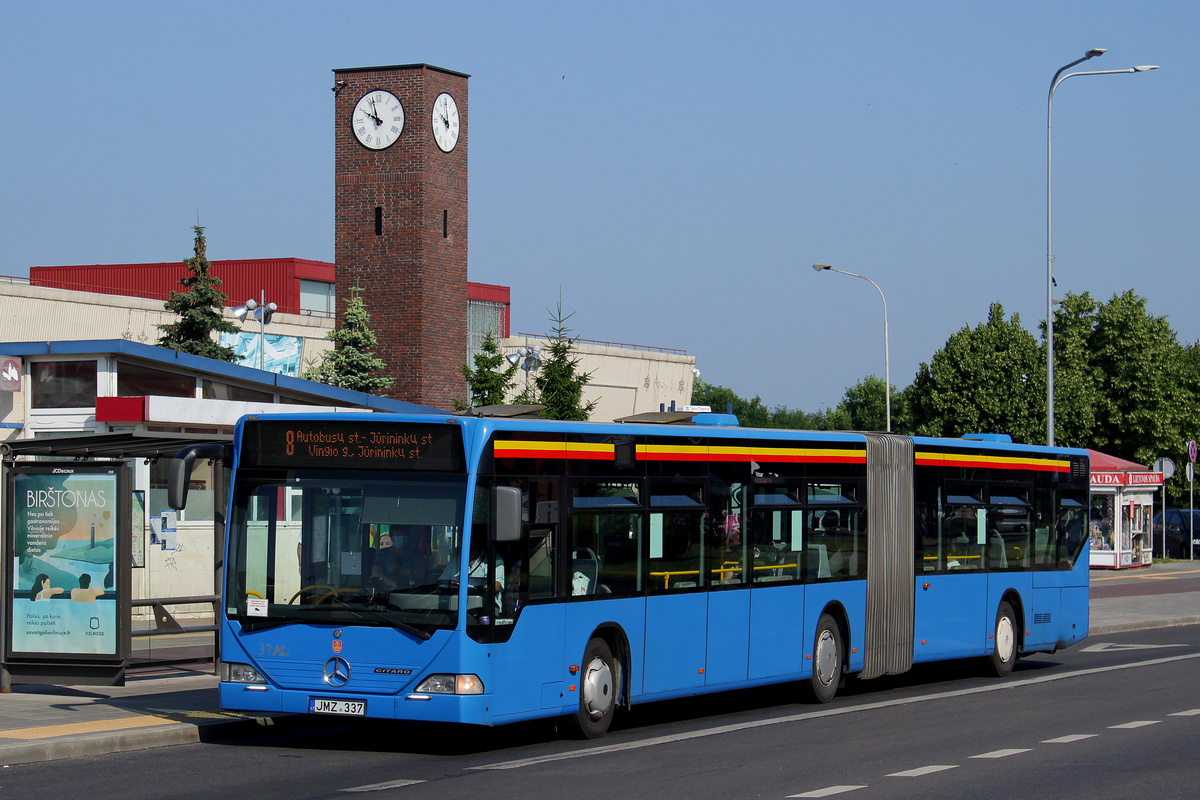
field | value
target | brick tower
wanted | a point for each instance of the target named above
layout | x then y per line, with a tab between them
400	182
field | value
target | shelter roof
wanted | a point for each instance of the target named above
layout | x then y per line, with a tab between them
1102	462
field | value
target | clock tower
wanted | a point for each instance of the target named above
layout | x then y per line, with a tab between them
400	208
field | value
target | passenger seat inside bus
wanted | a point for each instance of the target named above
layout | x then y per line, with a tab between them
585	571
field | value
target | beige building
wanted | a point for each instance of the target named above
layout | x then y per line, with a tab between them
625	379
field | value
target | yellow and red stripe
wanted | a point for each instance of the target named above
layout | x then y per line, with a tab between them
520	448
516	448
943	459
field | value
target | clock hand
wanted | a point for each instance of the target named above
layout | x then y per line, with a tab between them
375	114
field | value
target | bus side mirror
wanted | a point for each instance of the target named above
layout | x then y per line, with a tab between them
506	513
179	475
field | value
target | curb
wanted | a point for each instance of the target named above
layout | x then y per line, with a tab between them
100	743
1141	625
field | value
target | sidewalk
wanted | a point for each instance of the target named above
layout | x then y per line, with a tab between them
170	706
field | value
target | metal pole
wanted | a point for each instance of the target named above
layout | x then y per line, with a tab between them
1050	249
887	361
262	329
1050	228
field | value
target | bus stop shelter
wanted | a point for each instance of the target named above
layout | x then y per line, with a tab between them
71	523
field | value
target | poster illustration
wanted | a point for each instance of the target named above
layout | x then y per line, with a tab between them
64	563
281	354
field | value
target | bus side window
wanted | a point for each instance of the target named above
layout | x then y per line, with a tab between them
541	503
530	561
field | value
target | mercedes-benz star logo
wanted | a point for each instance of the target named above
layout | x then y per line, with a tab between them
336	672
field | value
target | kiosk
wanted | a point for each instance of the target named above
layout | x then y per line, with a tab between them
1122	512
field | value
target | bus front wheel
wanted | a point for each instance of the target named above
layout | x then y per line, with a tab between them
828	659
597	690
1004	646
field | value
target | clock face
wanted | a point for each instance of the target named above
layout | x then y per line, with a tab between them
378	119
445	122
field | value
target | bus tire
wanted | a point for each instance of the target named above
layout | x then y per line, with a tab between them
597	690
828	659
1004	643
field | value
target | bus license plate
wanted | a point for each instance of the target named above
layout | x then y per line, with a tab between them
346	708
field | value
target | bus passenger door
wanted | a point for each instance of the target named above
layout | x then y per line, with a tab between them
951	593
728	576
677	605
728	643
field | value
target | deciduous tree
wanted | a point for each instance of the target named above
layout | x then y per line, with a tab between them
990	379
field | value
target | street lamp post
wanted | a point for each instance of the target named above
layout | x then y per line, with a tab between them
262	311
1049	226
887	362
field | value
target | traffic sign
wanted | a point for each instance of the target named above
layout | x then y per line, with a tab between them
1166	466
1192	450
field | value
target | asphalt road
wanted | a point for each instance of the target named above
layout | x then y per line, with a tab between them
1118	717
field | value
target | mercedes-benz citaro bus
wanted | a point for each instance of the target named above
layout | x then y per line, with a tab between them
607	564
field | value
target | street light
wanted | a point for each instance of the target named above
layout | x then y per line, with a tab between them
887	364
1049	227
262	311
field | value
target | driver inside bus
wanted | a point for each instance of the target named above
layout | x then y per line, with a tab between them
399	562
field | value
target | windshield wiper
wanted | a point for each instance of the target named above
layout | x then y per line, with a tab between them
260	624
384	615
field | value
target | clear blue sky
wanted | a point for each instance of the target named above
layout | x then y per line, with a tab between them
674	167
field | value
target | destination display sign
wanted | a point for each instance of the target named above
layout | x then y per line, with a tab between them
334	444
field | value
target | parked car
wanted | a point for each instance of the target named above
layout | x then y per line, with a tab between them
1181	529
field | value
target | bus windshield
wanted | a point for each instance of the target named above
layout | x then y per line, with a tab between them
345	547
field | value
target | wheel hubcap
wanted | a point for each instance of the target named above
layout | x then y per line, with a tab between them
826	658
1005	639
597	688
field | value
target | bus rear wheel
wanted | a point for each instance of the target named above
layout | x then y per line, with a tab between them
1004	646
597	690
828	659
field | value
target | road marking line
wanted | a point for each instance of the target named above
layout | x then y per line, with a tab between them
73	728
1003	753
1141	723
919	771
829	712
1167	576
1192	713
1110	647
1074	737
828	791
377	787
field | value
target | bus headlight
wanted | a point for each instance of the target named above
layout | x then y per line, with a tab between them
451	684
233	672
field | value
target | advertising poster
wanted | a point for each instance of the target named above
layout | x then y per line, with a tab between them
281	354
64	563
167	531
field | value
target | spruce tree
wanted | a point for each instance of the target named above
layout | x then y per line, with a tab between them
559	382
489	383
200	310
351	362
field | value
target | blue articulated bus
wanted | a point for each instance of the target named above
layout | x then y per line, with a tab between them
608	564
